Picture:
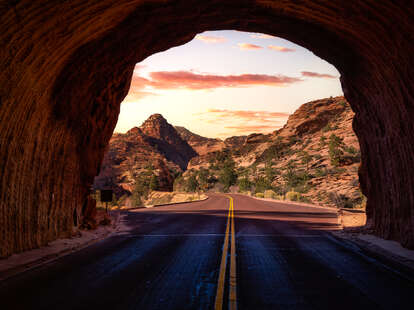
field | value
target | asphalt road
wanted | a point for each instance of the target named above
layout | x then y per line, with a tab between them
276	256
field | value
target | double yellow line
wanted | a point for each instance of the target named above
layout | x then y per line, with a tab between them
223	264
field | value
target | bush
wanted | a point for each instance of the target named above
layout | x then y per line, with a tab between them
244	185
321	172
343	103
293	196
259	195
192	184
153	185
262	184
340	200
270	194
335	152
227	177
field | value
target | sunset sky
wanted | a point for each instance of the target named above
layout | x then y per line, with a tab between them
226	83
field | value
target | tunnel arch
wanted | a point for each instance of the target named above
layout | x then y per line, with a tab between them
66	67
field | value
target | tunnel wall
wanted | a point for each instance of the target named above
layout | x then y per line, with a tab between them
66	66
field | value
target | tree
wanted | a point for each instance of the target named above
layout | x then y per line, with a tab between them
179	183
136	198
262	184
244	184
335	152
153	184
203	175
306	159
269	172
227	177
192	184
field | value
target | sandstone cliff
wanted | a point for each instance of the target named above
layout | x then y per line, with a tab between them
155	146
315	155
201	145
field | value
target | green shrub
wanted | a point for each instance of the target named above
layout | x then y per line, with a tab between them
335	152
321	172
259	195
244	184
192	184
262	184
322	141
340	200
227	177
350	149
343	103
270	194
293	196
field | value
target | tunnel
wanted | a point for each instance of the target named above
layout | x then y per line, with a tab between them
67	65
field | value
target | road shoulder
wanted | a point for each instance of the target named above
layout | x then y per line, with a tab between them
21	262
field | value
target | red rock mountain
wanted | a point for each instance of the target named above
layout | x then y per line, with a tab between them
301	149
315	154
155	145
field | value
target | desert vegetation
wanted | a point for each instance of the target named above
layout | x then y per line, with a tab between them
314	158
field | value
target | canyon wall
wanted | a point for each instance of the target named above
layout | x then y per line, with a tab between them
66	66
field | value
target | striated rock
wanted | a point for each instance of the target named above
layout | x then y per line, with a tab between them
335	186
256	138
67	65
166	139
235	141
154	144
201	145
313	116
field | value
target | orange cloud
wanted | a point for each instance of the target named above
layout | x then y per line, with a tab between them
253	128
262	116
280	48
318	75
196	81
248	46
210	39
262	36
244	121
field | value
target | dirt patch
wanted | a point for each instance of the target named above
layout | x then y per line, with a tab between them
351	219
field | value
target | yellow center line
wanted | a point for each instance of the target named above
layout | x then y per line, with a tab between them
223	264
233	282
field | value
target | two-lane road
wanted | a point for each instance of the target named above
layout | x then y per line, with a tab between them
207	255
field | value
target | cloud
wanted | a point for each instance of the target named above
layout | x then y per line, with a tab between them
248	46
262	36
210	39
253	128
318	75
240	122
263	116
280	48
197	81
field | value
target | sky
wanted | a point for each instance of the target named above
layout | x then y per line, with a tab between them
227	83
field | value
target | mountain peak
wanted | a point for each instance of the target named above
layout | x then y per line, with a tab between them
156	117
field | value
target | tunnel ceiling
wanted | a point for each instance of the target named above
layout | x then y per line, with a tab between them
66	66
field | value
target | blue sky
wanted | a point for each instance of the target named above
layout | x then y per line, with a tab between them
226	83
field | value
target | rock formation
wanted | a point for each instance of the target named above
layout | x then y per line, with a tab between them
154	145
66	66
201	145
303	143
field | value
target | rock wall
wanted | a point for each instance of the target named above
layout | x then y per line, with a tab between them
66	66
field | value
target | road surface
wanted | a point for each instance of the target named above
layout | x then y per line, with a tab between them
210	255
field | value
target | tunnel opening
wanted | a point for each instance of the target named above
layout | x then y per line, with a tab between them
226	73
60	104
